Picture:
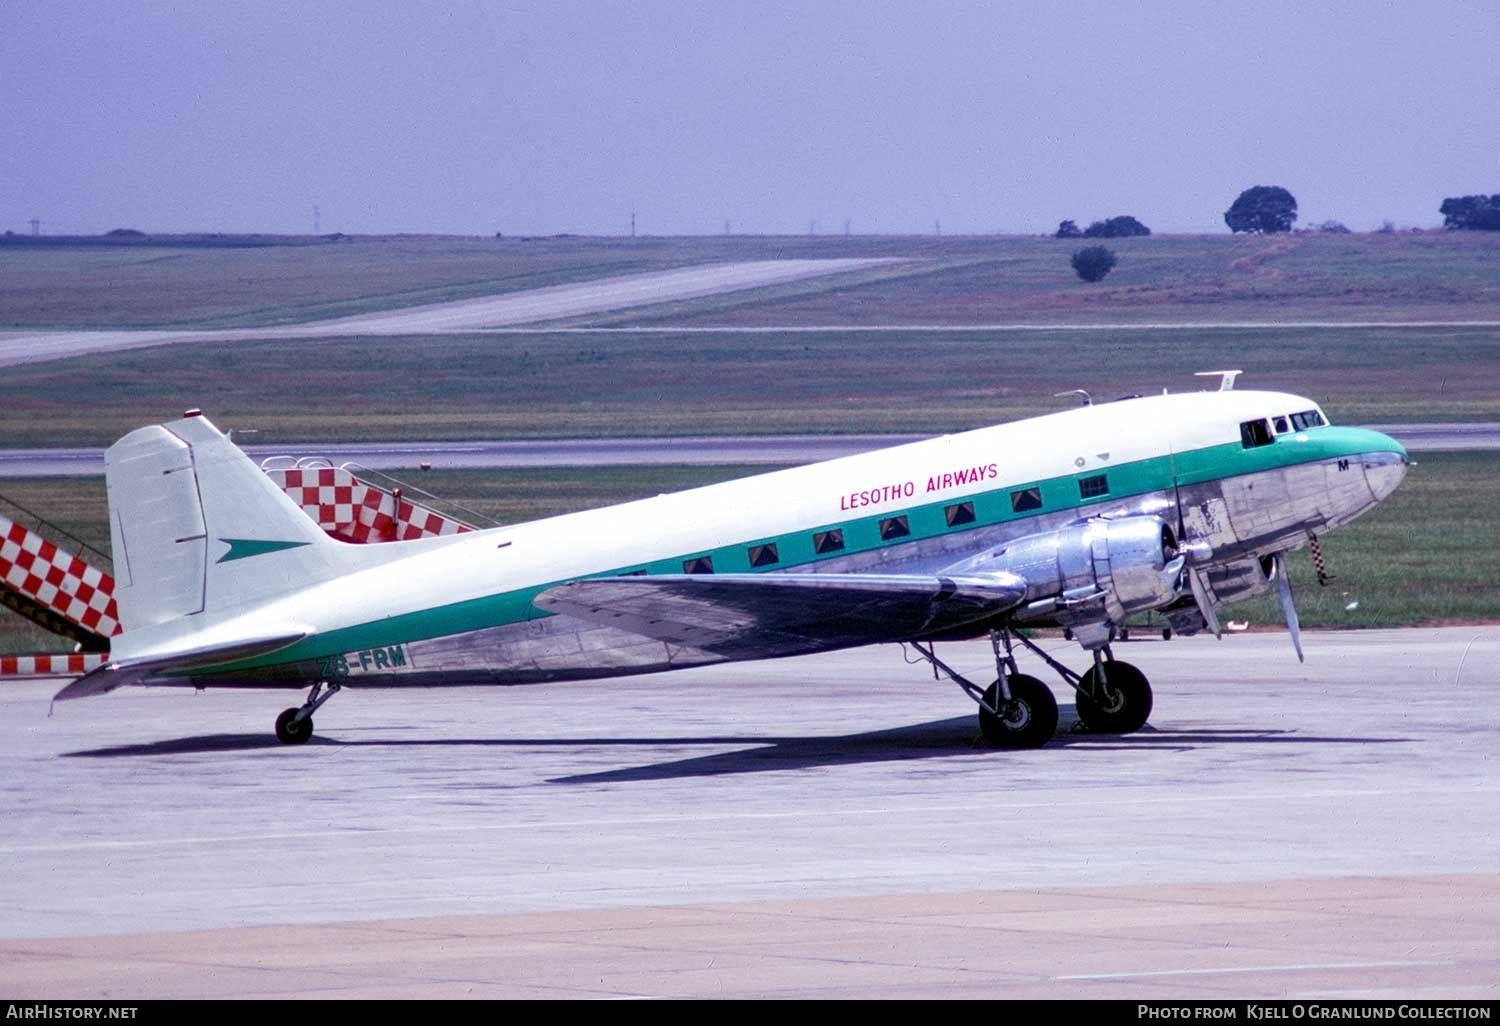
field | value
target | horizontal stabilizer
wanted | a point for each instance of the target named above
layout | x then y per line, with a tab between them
122	673
759	615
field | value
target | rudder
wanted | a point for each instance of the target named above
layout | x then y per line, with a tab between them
195	525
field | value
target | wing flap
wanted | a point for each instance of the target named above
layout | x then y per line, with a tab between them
125	672
758	615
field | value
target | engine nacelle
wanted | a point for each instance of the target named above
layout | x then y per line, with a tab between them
1097	571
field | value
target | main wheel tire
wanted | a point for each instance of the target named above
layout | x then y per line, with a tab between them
1029	721
1125	704
289	731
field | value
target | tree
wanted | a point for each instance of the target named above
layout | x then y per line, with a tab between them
1262	208
1481	213
1067	230
1119	227
1093	262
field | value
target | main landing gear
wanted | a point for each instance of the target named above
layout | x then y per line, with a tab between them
1019	711
295	726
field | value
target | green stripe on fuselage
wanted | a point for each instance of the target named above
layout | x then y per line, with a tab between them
926	520
1325	443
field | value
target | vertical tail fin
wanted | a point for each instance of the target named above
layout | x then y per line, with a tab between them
195	525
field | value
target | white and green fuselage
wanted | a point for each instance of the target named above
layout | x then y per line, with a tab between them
462	609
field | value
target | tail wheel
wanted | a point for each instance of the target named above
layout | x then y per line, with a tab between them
1120	704
291	732
1028	720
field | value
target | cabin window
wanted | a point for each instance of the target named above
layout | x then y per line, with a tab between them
764	555
894	527
828	541
1254	433
1026	500
1281	425
1307	419
959	513
700	565
1093	487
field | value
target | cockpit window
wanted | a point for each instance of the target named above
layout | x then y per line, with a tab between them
1255	433
1307	419
1281	425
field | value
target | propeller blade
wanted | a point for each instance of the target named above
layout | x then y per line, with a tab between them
1205	602
1288	607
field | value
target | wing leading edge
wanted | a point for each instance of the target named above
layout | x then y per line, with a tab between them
742	616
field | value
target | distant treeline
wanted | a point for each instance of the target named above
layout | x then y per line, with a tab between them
131	237
1268	209
1476	213
1121	227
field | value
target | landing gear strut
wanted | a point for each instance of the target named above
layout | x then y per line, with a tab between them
295	726
1019	711
1112	697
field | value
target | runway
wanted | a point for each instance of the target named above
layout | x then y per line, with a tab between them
485	313
613	452
822	826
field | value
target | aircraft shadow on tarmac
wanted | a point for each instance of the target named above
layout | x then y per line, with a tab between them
761	754
182	746
940	738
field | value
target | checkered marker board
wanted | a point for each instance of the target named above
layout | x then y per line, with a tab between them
355	511
57	580
48	664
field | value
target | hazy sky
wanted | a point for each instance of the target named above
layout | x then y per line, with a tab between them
563	116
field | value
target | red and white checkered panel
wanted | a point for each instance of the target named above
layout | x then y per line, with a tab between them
354	511
414	521
57	580
49	664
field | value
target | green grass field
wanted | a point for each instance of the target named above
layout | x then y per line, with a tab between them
1424	556
527	386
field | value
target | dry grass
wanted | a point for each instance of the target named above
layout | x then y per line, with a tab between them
163	286
1429	276
963	280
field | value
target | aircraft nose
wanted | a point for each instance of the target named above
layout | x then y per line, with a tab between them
1385	470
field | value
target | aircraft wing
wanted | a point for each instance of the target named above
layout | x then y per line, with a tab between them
760	615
